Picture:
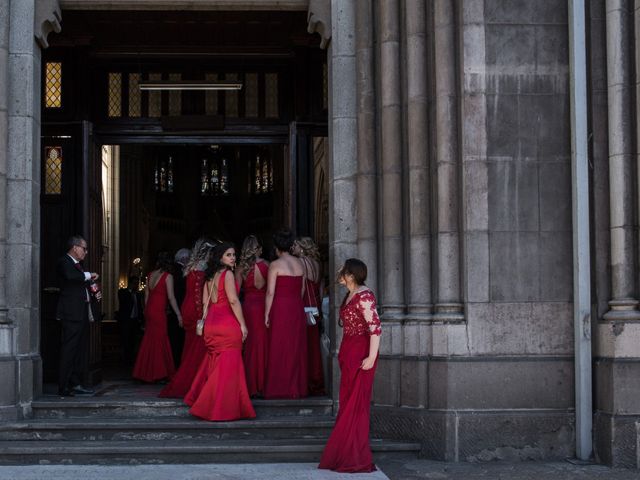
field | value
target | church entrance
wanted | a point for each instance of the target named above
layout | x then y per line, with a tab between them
183	125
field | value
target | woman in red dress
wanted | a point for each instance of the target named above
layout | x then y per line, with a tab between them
284	316
306	249
194	349
348	447
155	360
252	275
219	390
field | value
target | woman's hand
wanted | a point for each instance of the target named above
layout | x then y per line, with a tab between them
180	321
266	320
367	363
245	332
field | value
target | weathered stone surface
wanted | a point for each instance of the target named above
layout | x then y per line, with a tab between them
616	440
616	386
386	388
556	267
513	195
8	376
500	383
514	266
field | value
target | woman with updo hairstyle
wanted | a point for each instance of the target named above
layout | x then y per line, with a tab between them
285	318
251	274
219	389
155	360
348	449
307	251
194	349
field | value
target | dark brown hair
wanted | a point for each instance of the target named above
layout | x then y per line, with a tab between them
283	240
215	259
355	267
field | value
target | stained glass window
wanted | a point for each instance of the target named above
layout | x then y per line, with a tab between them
53	171
231	98
115	95
211	96
134	95
175	97
271	94
155	97
53	85
262	174
251	95
214	173
163	176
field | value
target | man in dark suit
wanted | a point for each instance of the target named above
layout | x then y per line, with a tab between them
129	316
73	312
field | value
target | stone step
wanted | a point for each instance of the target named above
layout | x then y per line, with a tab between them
166	428
83	407
193	451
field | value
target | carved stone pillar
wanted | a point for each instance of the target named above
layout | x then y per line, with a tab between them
419	255
4	78
449	305
367	165
392	262
623	304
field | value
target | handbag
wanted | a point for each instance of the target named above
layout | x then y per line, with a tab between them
312	314
205	310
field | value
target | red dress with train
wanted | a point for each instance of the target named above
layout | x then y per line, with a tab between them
194	349
287	364
219	389
316	376
256	345
348	447
155	360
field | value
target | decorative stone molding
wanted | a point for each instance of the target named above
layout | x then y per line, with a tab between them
46	20
319	18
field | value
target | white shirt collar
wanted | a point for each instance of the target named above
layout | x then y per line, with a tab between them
74	260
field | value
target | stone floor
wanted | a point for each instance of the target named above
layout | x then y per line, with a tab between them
394	469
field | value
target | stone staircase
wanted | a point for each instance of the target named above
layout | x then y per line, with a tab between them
112	430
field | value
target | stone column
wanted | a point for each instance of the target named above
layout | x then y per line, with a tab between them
624	305
4	67
367	165
419	255
392	262
448	306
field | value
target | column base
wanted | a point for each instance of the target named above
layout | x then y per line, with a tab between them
392	312
420	313
449	313
623	309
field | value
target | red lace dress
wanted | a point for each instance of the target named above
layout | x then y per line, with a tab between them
348	447
219	389
194	349
256	352
155	360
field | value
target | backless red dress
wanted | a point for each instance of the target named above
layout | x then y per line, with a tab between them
348	449
316	376
219	389
287	364
256	346
194	349
155	360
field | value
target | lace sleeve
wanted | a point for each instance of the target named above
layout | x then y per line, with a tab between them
367	304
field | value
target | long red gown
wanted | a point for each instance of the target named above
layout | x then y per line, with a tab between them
348	449
256	346
316	376
219	389
155	360
194	349
287	364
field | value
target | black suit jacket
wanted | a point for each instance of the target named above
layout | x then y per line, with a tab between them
72	303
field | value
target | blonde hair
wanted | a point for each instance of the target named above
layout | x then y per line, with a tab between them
249	254
309	248
200	255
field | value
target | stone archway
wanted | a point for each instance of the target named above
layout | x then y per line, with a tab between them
20	81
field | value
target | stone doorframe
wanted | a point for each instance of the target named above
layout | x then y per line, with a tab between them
24	28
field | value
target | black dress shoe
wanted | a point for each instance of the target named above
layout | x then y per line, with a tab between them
66	393
79	389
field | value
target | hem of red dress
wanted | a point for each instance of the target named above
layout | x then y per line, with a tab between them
229	419
367	469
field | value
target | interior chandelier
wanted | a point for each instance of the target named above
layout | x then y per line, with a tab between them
189	85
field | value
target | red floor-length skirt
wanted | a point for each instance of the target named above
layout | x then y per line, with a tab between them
314	371
348	447
219	390
194	349
155	360
255	353
287	364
